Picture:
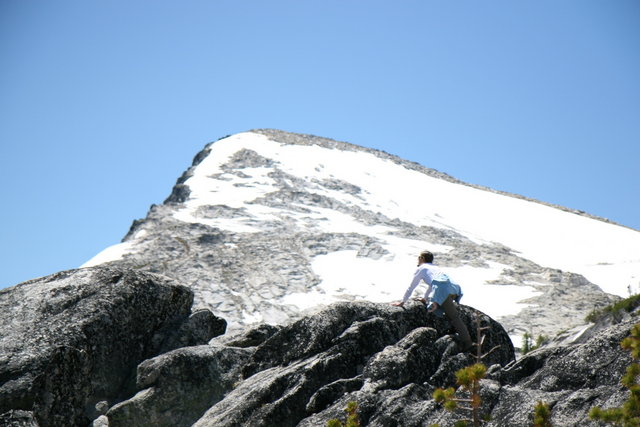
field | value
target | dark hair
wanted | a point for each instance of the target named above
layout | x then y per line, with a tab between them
427	256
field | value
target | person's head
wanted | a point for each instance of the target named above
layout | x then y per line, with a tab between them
425	257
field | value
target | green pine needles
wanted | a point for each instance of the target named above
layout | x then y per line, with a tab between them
542	415
528	345
627	415
352	417
469	381
626	305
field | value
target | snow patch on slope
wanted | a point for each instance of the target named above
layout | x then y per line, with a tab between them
114	252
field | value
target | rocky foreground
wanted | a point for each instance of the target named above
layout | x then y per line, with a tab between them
115	347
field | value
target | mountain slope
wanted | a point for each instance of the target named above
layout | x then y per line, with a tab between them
266	224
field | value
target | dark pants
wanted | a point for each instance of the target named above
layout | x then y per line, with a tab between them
450	309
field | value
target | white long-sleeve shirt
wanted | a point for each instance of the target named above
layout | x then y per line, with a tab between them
428	273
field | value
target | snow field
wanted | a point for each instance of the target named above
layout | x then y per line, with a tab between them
606	254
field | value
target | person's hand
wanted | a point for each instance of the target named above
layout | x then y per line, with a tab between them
397	303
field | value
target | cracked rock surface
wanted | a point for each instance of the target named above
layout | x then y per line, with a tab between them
72	340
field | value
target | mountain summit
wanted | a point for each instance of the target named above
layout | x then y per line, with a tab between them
266	225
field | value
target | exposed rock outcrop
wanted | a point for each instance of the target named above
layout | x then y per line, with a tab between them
571	379
307	366
389	361
178	387
72	341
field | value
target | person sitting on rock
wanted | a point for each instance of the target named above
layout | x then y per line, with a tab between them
446	295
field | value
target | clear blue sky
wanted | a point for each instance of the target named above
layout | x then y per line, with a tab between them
103	104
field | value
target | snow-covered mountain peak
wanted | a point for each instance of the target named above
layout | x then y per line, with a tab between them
267	223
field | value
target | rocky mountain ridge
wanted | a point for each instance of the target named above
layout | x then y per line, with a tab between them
259	237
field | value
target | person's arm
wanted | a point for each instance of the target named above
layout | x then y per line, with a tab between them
412	286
